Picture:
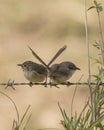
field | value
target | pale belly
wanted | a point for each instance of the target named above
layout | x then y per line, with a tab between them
34	77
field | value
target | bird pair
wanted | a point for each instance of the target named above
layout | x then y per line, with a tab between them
58	73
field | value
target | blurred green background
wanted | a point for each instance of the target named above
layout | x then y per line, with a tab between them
44	25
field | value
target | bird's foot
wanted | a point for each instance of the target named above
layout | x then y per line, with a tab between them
67	83
30	84
53	84
45	84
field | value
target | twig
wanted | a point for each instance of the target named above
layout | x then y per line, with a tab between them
101	36
74	96
89	67
15	106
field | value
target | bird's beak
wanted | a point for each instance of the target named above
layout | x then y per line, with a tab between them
78	68
19	65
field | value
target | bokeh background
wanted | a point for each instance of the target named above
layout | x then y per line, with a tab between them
44	25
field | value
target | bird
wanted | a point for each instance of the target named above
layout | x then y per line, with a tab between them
33	72
62	72
51	61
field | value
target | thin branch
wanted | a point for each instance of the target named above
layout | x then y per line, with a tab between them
17	113
74	96
87	42
89	67
24	115
100	30
50	84
101	37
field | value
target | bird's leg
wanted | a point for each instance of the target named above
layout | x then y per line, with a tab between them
45	82
30	84
67	83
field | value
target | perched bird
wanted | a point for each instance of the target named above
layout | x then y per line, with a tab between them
34	72
62	72
51	61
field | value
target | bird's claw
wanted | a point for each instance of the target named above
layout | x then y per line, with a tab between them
30	84
53	84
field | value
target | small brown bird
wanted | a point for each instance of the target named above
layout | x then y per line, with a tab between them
34	72
62	72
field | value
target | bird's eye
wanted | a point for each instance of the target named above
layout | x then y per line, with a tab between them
24	65
71	67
